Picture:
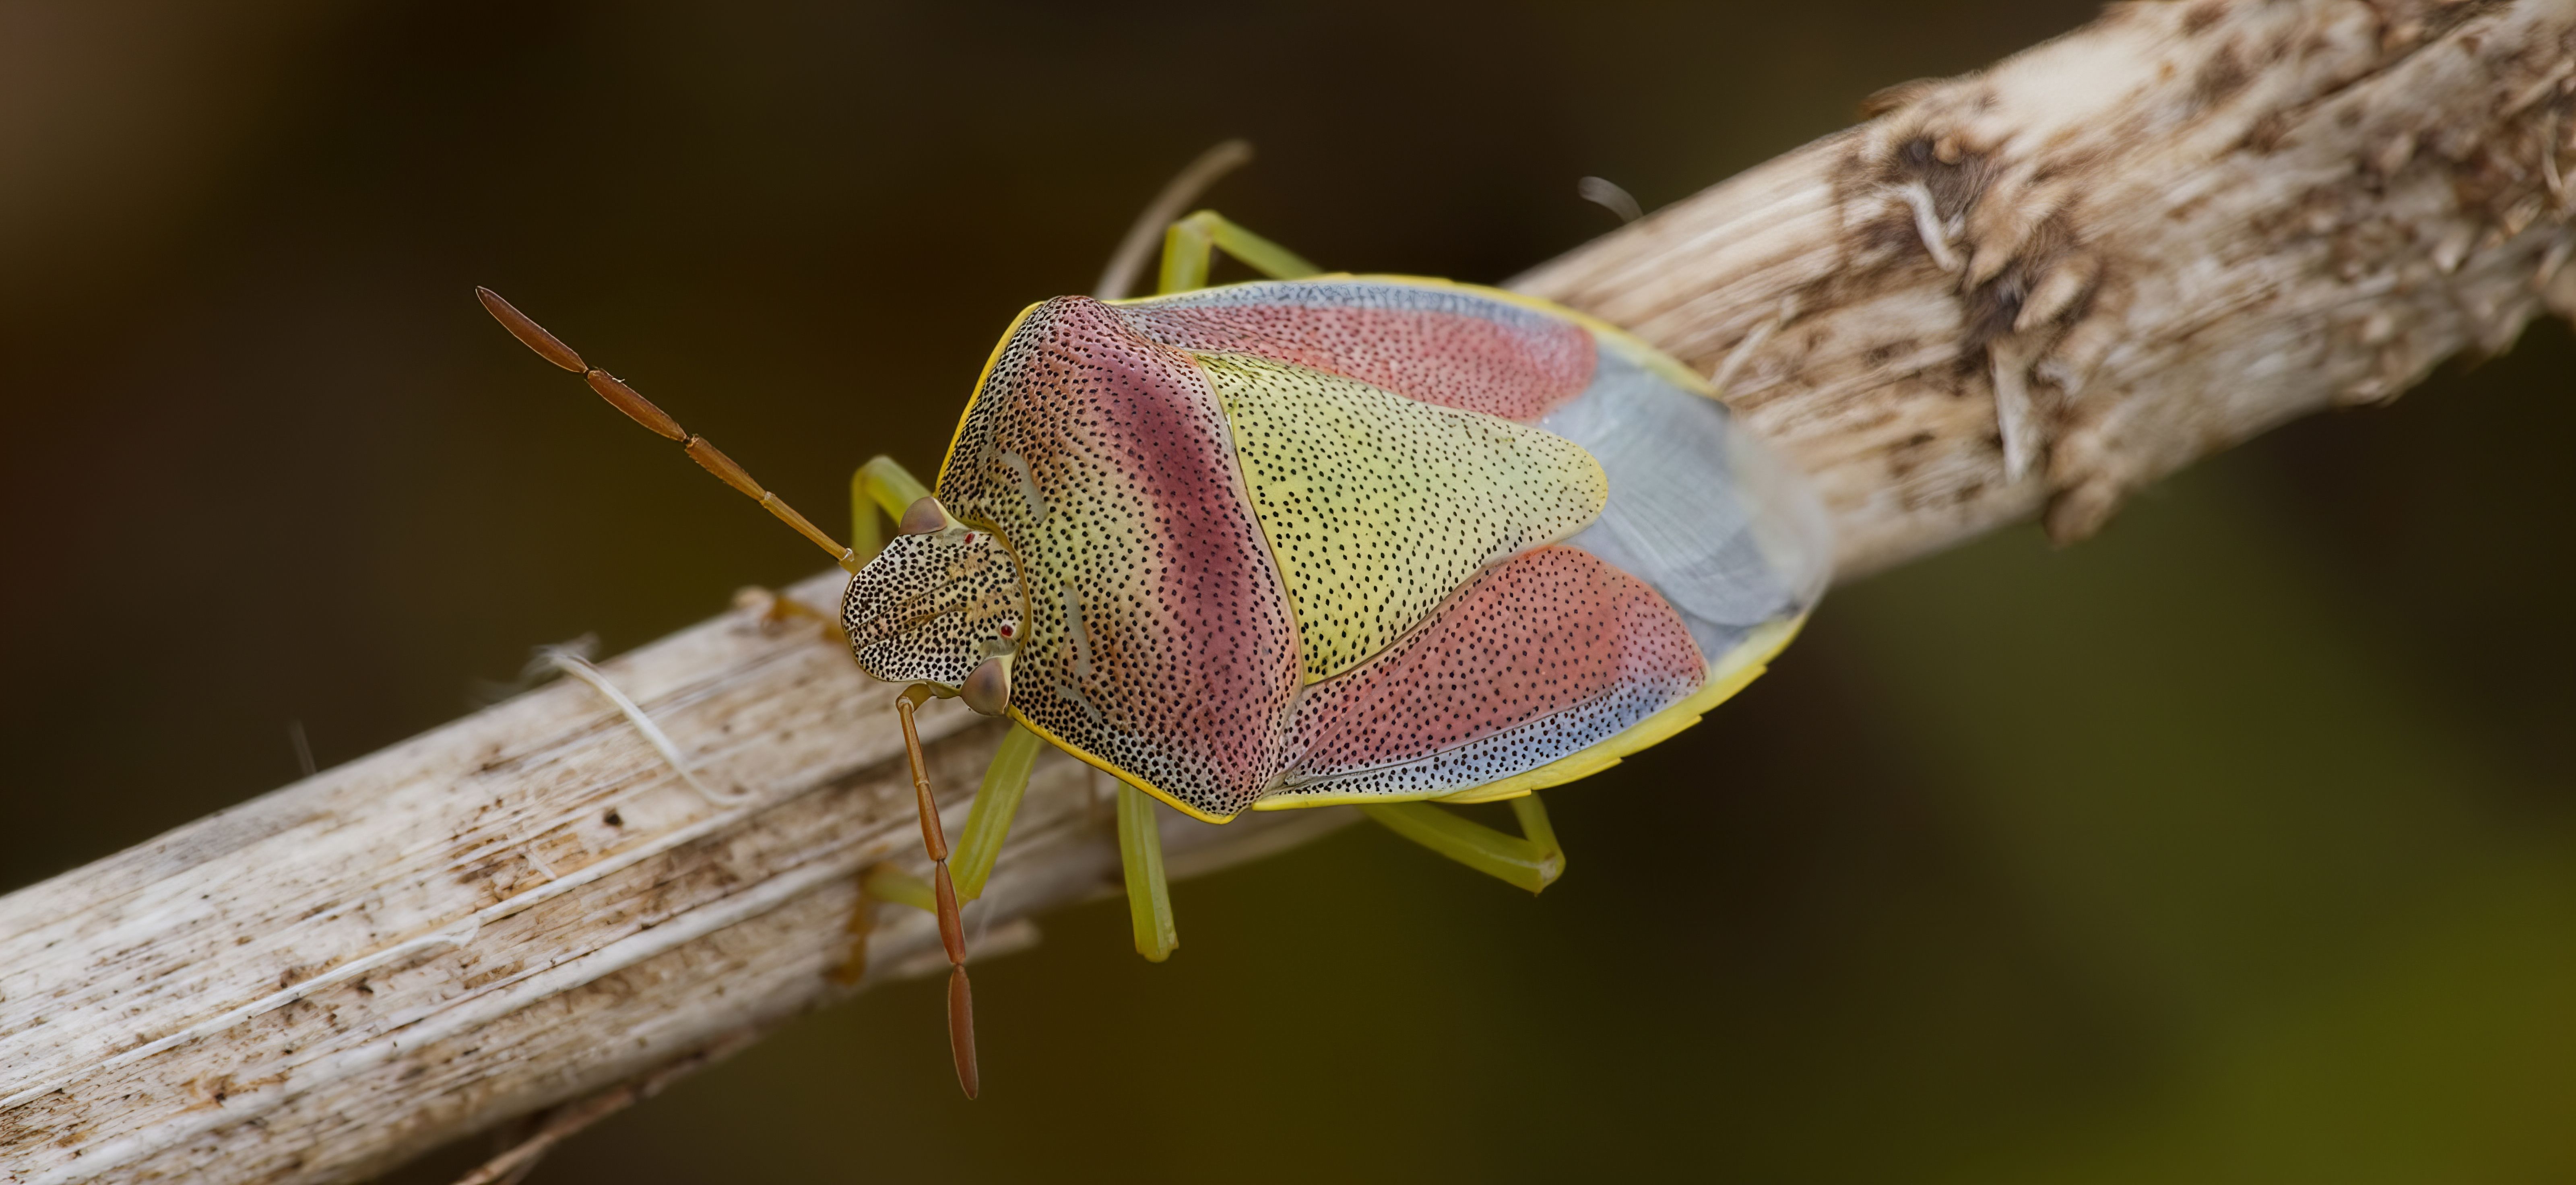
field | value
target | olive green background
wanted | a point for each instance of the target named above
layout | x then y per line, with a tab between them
2238	844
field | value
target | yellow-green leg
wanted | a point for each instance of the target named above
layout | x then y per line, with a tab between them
1531	860
1188	245
988	823
879	485
1149	896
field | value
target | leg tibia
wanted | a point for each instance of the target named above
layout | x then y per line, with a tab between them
885	882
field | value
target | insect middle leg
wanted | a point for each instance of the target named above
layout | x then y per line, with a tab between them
988	824
1190	242
1532	860
1149	894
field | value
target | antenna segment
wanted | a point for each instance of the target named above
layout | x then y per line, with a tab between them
641	410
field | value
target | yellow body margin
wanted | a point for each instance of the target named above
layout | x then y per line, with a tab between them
1729	675
1626	344
1087	758
990	361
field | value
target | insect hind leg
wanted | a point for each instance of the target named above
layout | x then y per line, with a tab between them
1531	860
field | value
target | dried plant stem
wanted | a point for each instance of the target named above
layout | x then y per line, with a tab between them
2037	288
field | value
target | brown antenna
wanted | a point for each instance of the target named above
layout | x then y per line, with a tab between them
641	410
924	515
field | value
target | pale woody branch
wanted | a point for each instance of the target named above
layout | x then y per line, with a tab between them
2026	291
2040	287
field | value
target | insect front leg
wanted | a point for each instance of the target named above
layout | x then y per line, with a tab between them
1189	243
879	485
988	822
1531	860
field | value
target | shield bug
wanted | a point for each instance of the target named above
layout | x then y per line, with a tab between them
1314	539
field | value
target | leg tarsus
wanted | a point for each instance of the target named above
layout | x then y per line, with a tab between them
1532	860
777	610
1149	897
862	923
1189	244
885	882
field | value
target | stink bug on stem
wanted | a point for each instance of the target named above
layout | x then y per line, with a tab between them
1314	539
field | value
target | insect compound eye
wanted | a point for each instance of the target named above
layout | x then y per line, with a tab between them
988	690
922	517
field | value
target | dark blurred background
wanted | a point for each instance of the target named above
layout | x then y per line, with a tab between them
2238	844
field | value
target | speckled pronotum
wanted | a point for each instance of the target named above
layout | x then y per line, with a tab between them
1315	539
